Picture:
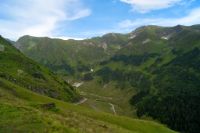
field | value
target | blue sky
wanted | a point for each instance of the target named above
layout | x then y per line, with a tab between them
88	18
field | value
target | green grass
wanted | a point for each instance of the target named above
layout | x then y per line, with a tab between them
74	56
137	65
67	118
99	96
17	68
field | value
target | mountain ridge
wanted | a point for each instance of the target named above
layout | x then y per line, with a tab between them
33	99
25	72
144	61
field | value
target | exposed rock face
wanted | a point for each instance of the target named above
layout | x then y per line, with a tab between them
165	38
105	46
146	41
132	36
77	84
2	48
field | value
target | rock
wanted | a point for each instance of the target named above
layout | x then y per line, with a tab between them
132	36
77	84
104	46
2	48
91	70
146	41
166	37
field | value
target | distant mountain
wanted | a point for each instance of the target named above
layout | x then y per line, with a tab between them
161	64
33	99
70	57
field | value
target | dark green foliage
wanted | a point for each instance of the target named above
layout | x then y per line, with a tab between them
82	68
133	59
69	70
177	100
134	78
88	77
38	75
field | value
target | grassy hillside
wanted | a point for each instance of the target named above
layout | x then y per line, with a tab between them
18	69
25	111
158	64
107	98
69	57
64	57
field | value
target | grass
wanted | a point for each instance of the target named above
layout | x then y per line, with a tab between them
99	96
88	56
21	114
17	68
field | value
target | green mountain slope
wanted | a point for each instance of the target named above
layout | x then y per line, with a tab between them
158	64
65	57
165	73
176	93
17	68
27	104
25	111
69	57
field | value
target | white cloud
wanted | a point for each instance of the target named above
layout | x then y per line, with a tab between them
38	17
144	6
193	17
67	38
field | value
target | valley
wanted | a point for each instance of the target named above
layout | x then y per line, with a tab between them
100	66
148	75
34	99
108	99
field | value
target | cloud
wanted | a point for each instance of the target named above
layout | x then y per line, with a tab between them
38	17
66	38
193	17
144	6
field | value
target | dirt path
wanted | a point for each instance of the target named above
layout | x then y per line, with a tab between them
81	101
113	108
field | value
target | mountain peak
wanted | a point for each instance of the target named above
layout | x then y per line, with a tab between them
179	28
147	27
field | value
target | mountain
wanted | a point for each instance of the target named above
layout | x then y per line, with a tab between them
154	68
20	70
33	99
163	65
25	111
70	57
